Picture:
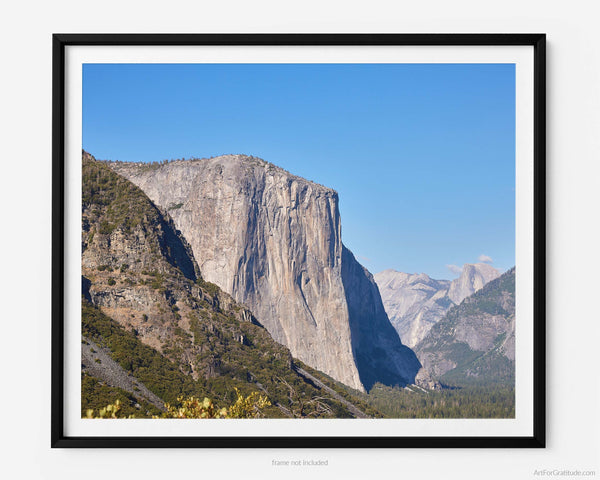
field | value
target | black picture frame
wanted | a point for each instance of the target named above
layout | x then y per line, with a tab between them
59	44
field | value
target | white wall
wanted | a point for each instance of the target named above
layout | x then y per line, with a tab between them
573	183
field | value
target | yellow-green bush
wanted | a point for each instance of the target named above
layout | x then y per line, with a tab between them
110	411
192	407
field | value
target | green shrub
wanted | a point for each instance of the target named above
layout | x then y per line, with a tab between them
208	287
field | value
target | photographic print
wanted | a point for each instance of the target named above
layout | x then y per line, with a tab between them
271	243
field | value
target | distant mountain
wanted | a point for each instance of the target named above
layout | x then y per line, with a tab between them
474	343
272	240
154	329
416	302
472	278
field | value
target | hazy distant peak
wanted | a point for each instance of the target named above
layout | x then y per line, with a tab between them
395	278
473	277
479	266
415	302
487	272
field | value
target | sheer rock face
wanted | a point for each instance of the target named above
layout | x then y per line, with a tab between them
379	353
273	241
416	302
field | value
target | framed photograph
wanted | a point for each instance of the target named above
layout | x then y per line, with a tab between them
293	240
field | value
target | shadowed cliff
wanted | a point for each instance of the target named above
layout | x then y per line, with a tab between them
380	355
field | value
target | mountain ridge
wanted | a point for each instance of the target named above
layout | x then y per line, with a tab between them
475	341
416	302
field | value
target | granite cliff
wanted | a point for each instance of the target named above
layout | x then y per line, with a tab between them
154	329
273	241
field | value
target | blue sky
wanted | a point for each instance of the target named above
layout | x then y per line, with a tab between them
422	156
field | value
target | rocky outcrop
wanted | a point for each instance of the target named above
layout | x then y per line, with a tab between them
273	241
426	381
416	302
